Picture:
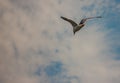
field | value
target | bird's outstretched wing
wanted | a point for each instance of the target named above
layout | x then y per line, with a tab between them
70	21
84	20
94	17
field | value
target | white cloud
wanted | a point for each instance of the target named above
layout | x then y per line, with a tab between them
40	36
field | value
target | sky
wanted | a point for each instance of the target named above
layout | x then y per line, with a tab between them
37	46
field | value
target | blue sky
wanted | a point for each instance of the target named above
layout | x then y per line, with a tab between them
37	46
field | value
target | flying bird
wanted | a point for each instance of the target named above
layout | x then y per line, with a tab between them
77	27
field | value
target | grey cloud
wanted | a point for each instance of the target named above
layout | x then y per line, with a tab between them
30	7
15	49
42	40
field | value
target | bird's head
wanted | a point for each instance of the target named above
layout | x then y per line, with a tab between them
83	21
81	25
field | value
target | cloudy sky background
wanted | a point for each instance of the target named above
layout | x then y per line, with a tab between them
37	46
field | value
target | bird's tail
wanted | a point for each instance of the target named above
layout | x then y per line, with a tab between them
74	33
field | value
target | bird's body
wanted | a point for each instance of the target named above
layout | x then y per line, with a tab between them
77	27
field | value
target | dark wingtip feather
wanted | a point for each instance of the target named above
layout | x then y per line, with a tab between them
61	17
99	17
64	18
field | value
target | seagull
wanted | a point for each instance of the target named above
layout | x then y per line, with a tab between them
77	27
